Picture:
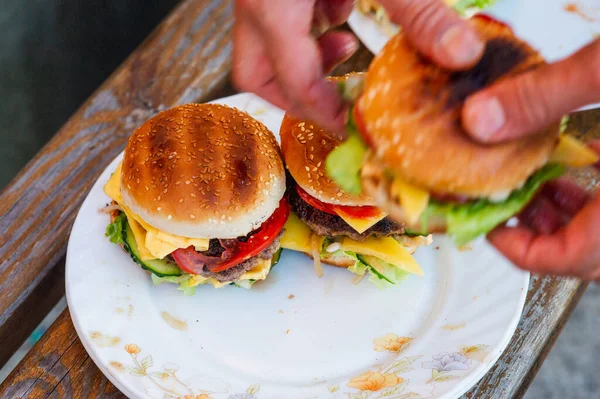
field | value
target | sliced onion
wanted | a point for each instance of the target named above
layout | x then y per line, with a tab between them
110	208
358	278
316	254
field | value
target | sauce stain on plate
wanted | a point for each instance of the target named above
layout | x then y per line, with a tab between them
104	340
173	322
574	8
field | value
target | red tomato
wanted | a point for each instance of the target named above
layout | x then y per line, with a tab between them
365	212
191	261
315	203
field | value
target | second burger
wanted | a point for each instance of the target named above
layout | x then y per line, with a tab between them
333	226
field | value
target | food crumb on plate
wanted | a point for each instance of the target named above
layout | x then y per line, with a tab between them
292	296
453	327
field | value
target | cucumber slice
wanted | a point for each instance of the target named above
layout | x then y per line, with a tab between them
160	267
372	264
276	257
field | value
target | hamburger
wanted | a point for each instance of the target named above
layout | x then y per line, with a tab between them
334	226
407	147
199	197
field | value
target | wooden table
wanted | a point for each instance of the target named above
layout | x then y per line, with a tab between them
187	58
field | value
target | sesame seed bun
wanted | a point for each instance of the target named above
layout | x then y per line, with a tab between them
305	147
411	112
203	171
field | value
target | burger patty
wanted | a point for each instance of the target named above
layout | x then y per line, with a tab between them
233	274
216	250
325	224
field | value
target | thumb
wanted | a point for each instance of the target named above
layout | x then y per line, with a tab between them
437	31
529	102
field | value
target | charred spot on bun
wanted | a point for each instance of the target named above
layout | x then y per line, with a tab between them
199	197
416	160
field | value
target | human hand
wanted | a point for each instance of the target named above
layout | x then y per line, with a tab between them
281	53
529	102
558	233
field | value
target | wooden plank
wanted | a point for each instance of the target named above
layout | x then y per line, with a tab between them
186	58
549	305
58	367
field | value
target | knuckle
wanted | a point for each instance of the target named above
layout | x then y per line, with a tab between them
530	103
424	20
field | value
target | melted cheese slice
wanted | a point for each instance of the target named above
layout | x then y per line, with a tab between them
360	224
413	199
259	272
298	236
386	249
574	153
152	243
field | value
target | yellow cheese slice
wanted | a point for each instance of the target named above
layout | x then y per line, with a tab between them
112	188
574	153
140	238
360	224
413	200
386	249
152	243
297	235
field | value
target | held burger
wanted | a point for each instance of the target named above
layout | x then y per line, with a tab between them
333	226
408	150
198	197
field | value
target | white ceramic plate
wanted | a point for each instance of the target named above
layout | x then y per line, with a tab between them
545	24
294	335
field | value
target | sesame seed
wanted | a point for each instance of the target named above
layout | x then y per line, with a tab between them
159	209
169	217
192	217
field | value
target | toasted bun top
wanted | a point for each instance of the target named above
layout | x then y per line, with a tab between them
411	110
203	171
305	147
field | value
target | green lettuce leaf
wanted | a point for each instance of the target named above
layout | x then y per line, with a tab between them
563	123
247	284
358	267
114	231
466	222
462	6
183	281
343	164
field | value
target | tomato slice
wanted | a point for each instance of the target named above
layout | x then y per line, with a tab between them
363	212
315	203
191	261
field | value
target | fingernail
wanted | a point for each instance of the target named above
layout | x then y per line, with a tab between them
485	117
460	45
